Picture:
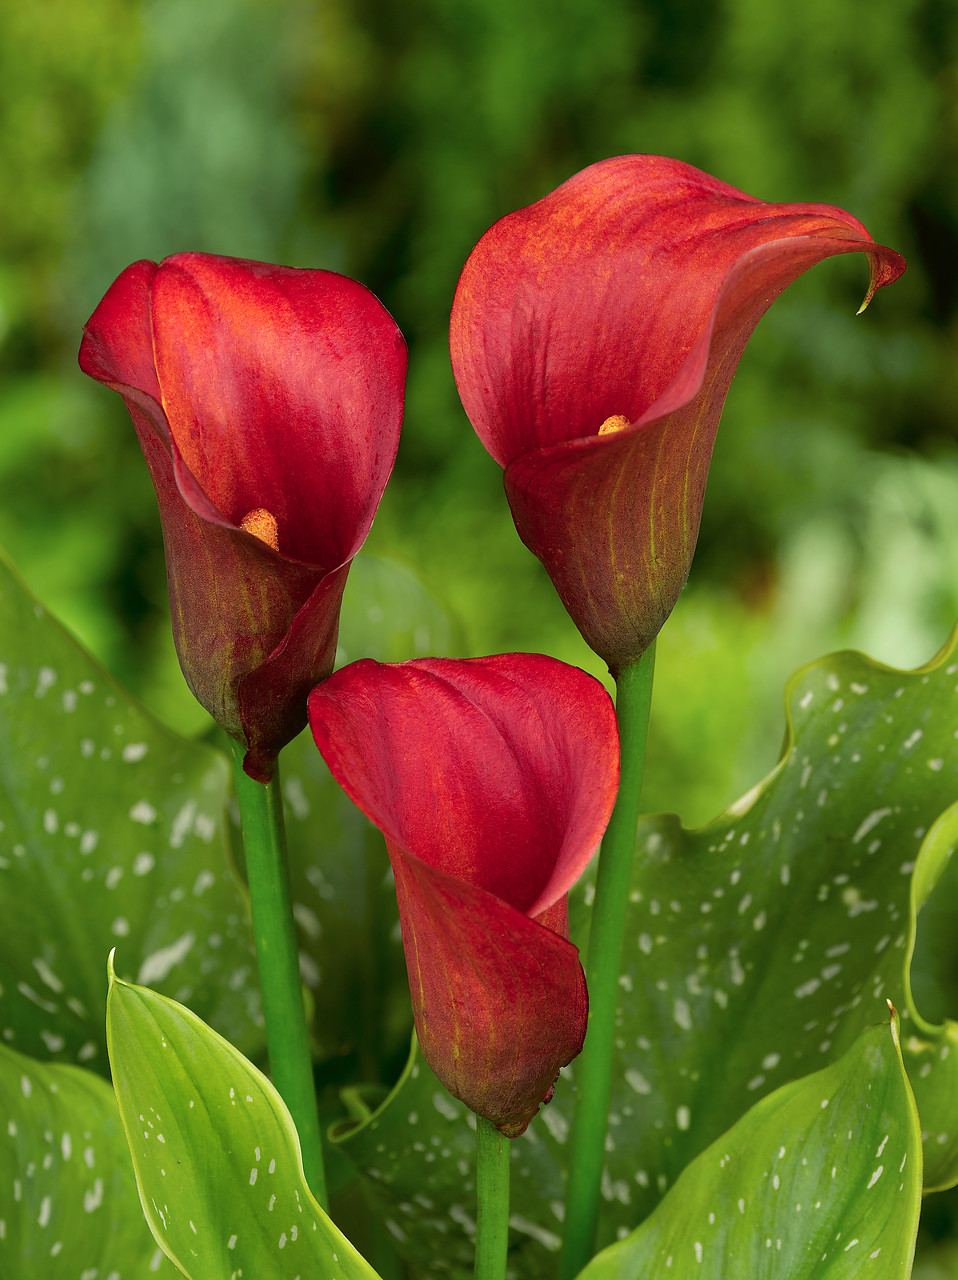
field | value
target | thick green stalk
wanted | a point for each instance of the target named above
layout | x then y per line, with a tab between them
593	1071
492	1195
277	956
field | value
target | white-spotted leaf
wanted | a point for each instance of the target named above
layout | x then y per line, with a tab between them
417	1153
758	949
769	939
68	1202
821	1180
215	1152
111	831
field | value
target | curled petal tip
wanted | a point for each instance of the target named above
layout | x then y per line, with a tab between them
624	297
886	266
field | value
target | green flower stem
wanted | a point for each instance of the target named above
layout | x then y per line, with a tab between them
277	955
492	1195
593	1071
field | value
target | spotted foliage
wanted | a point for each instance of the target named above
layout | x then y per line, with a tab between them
821	1180
215	1151
111	834
758	949
69	1208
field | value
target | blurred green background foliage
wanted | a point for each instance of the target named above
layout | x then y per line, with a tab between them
381	138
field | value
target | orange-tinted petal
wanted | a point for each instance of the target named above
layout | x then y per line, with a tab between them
627	293
254	388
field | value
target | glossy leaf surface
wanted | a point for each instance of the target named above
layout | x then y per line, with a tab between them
111	834
821	1180
764	942
767	940
215	1152
417	1155
68	1200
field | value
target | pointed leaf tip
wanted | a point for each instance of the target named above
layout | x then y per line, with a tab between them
222	1185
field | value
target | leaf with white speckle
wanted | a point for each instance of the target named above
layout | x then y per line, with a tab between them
773	1003
821	1180
417	1152
111	832
216	1155
68	1200
758	948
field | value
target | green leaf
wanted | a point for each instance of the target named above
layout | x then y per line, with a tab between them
112	834
821	1180
767	940
68	1201
931	1052
758	949
417	1153
215	1152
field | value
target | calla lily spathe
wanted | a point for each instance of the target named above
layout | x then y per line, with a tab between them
268	402
594	335
492	780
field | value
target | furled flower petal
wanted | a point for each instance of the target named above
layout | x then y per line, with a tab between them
492	780
594	336
267	401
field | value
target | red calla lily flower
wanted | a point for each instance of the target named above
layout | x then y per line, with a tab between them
267	401
492	780
594	336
